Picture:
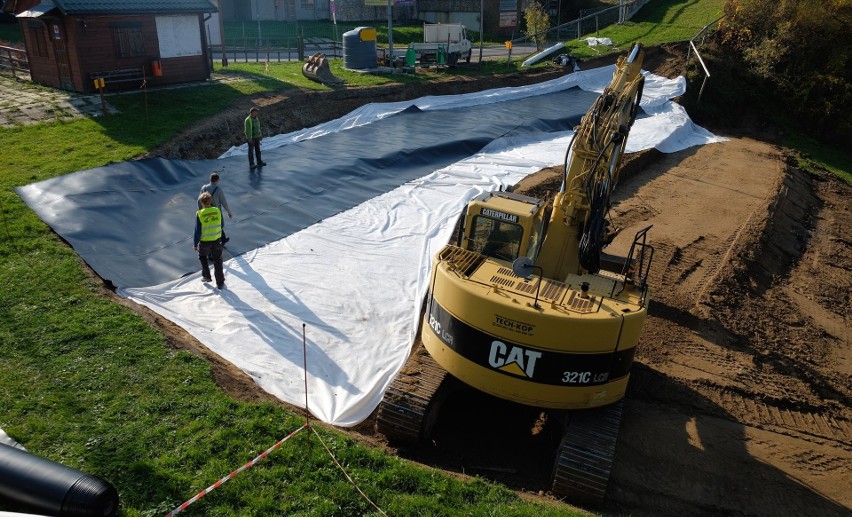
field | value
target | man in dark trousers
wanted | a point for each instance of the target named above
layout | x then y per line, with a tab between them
217	199
207	240
253	136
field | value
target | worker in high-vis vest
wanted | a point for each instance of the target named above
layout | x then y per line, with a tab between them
253	137
207	240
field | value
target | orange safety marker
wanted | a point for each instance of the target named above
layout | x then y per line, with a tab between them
100	84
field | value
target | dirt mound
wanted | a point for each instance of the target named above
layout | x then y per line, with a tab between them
741	402
295	109
740	399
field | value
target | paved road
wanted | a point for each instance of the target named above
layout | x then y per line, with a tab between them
22	102
489	52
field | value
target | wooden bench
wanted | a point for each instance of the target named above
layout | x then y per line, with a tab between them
125	75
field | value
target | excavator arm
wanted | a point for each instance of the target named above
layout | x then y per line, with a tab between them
577	230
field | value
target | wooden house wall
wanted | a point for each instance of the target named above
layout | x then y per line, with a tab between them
42	68
71	40
97	51
91	47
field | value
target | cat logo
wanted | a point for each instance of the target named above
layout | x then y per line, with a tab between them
514	359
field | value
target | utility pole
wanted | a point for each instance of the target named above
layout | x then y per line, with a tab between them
257	15
390	31
222	34
481	27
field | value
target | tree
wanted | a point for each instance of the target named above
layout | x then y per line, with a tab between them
537	23
804	48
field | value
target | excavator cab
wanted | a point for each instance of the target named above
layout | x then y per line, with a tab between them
504	226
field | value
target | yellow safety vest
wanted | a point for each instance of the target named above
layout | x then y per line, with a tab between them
211	223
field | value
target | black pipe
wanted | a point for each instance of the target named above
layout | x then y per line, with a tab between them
47	487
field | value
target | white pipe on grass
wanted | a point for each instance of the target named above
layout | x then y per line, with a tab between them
544	53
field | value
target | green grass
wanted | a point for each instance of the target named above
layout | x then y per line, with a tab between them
816	156
658	22
11	33
286	75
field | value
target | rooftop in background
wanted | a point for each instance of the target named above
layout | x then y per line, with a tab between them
130	6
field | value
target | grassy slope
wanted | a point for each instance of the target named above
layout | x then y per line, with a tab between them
658	22
88	383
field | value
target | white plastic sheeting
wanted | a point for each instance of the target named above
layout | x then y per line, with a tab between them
354	282
593	42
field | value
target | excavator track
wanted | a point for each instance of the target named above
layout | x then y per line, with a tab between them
407	412
585	456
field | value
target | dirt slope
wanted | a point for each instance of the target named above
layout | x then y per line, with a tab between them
740	401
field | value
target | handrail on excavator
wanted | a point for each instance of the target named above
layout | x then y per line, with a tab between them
639	276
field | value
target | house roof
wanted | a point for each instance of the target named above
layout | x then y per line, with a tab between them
134	6
37	10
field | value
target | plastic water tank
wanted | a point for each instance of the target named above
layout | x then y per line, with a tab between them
359	48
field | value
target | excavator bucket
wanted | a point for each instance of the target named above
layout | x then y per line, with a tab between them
316	68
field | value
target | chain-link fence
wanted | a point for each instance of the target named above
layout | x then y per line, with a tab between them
259	41
590	21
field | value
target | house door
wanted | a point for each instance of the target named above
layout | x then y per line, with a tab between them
60	51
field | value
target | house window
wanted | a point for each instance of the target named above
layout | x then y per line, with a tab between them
307	4
128	42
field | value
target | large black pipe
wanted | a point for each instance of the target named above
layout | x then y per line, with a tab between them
47	487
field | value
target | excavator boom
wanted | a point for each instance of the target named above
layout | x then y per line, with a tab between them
577	231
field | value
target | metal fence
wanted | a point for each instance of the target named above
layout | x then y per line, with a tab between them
289	49
700	37
14	61
288	41
590	21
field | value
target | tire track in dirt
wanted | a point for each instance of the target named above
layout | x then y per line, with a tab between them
688	449
808	425
733	362
731	381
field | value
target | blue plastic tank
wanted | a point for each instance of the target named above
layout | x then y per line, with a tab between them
359	48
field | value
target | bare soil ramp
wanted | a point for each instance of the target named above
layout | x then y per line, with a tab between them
740	403
739	400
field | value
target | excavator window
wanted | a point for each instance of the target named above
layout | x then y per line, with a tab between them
495	238
536	234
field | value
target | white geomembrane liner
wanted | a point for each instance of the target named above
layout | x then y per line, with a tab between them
356	280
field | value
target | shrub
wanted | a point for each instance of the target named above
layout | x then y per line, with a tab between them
804	47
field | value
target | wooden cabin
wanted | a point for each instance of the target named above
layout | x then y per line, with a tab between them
127	43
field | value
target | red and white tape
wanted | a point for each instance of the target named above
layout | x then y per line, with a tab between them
234	473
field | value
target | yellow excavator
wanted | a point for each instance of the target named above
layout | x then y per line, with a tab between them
526	306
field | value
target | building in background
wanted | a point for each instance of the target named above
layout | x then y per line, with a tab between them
130	43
